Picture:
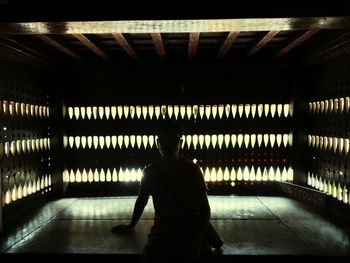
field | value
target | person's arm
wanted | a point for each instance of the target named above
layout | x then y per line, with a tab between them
141	202
202	223
202	218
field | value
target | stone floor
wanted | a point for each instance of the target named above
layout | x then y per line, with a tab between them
248	225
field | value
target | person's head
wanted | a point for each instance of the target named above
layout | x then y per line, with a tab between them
169	133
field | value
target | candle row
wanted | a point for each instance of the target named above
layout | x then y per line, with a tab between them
180	111
330	187
337	105
16	192
190	141
23	109
329	143
23	146
210	174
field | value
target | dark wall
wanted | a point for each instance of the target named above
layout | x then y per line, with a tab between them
179	83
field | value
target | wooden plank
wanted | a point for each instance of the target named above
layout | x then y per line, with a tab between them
83	39
336	44
158	43
231	37
297	41
193	44
124	44
177	26
270	35
22	56
57	45
29	50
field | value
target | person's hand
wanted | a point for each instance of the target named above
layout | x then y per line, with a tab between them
122	229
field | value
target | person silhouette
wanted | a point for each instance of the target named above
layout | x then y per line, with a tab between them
179	195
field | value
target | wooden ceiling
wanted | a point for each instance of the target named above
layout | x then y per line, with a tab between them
114	46
279	40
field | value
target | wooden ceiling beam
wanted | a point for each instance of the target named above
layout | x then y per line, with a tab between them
177	26
84	40
231	37
335	45
158	43
23	56
193	44
296	42
124	44
270	35
57	45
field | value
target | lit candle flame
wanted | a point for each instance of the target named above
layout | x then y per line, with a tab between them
240	140
77	142
227	140
182	111
233	140
107	112
144	112
101	112
201	140
240	110
272	140
188	141
70	112
220	140
138	141
101	142
120	111
207	111
266	139
195	141
88	112
120	141
113	112
170	111
266	109
252	140
201	111
246	140
95	140
126	141
151	141
126	111
247	110
108	141
214	110
273	109
132	112
138	111
207	141
189	111
227	110
89	141
221	110
258	176
176	111
132	141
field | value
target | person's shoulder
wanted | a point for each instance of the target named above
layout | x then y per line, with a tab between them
189	164
151	166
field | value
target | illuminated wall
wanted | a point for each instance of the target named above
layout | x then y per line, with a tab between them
109	133
329	155
24	138
327	135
